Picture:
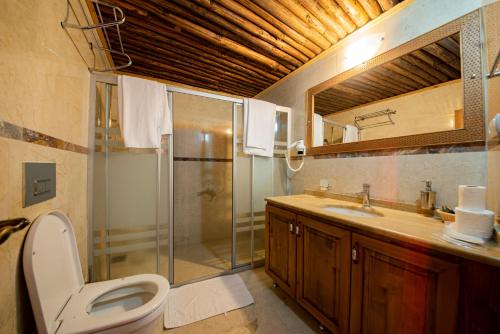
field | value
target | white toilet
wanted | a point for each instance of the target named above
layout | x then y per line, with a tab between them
62	303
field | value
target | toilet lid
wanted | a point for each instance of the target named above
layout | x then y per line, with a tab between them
51	267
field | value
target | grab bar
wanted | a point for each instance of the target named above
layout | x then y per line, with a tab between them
10	226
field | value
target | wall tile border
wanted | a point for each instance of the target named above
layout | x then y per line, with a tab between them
12	131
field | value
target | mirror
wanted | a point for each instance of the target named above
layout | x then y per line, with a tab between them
414	95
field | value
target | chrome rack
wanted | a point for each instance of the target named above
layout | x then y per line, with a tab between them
494	72
382	113
93	41
10	226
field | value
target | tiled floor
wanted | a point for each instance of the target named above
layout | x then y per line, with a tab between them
273	312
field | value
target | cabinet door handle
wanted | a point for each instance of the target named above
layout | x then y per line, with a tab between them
297	230
291	227
354	254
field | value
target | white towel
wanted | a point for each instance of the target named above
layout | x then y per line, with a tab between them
259	122
144	112
318	130
350	134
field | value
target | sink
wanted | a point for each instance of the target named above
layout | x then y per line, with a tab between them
353	211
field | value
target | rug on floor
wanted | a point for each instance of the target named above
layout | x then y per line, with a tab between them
202	300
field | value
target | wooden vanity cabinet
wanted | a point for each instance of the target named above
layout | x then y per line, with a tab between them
280	246
356	284
323	272
396	290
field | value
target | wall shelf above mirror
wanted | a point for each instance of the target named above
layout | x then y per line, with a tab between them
426	92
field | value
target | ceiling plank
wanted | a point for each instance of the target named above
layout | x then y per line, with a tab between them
355	11
371	7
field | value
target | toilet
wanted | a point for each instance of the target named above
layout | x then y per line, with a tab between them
63	303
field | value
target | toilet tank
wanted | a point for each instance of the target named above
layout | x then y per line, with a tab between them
51	267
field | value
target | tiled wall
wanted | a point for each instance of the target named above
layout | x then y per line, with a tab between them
393	177
44	87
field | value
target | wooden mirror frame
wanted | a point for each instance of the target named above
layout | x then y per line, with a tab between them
469	27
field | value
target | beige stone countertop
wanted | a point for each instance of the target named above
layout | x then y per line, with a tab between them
399	225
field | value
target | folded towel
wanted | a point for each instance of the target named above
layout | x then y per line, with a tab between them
143	111
259	122
318	130
350	134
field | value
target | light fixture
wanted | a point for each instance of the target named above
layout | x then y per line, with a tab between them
363	49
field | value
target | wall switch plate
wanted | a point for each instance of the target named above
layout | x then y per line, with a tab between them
324	184
39	182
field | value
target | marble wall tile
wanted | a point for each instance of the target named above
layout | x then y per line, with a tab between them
44	89
396	178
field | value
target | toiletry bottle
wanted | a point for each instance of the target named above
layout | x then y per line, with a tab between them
428	199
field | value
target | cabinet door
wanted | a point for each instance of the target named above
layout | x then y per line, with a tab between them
395	290
323	272
280	248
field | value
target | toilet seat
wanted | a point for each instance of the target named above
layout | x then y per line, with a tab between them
78	318
62	303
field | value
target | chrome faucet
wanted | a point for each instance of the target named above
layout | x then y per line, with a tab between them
365	194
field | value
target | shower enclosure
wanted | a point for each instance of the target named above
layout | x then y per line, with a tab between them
189	210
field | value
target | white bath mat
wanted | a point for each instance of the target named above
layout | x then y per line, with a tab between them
194	302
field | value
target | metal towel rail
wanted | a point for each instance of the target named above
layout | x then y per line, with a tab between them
119	18
382	113
10	226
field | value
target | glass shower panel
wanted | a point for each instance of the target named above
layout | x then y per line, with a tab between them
126	197
203	167
243	179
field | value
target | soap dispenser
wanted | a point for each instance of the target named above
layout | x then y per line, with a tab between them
428	199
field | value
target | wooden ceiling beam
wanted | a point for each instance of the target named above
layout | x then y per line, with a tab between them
334	11
398	78
165	34
328	20
376	81
210	36
443	55
343	97
437	64
216	15
241	21
451	45
387	4
412	72
198	59
365	89
371	7
267	28
187	62
147	71
278	24
426	71
372	87
355	11
311	20
346	88
285	15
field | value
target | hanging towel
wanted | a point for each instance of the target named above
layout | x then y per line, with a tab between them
350	134
259	122
318	130
143	111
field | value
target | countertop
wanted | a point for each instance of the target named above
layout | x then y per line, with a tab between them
398	225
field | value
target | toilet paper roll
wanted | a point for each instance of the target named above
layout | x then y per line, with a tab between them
472	197
474	223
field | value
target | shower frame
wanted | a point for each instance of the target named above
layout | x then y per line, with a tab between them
113	80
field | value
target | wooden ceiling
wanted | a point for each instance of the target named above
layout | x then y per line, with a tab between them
431	65
235	46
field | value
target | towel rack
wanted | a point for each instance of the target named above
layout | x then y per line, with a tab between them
382	113
494	72
119	18
10	226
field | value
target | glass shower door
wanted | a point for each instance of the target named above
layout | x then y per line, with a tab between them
203	186
129	224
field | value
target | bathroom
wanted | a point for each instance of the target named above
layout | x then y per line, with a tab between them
358	182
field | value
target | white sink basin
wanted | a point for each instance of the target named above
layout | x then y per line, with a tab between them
353	211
